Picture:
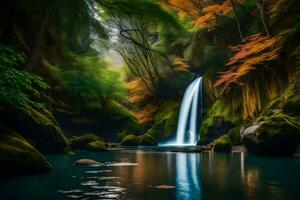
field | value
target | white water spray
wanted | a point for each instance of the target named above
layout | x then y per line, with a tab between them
189	108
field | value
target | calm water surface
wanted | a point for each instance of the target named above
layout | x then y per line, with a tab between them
156	173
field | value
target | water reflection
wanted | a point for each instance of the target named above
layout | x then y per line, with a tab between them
159	175
187	176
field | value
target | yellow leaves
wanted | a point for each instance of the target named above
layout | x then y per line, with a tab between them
204	13
180	65
137	93
257	50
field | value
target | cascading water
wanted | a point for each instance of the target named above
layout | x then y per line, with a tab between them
189	111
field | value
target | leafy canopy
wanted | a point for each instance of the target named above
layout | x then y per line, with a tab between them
18	88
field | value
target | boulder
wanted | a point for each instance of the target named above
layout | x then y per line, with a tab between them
87	141
222	144
273	137
17	156
147	140
130	140
85	161
96	146
38	126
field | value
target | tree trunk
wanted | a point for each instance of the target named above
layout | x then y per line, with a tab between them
262	14
237	20
36	45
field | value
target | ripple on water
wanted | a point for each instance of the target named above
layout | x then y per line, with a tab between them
89	183
97	171
69	191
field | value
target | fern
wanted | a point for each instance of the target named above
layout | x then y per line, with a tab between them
18	88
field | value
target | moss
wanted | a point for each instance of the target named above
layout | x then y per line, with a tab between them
130	140
147	140
42	128
222	144
279	127
165	122
123	117
17	156
219	120
96	146
235	135
85	142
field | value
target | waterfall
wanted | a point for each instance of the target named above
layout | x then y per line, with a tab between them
189	111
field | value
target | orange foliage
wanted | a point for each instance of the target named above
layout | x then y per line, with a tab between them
180	65
204	13
257	50
137	93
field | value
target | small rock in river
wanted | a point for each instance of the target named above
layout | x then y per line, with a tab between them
85	162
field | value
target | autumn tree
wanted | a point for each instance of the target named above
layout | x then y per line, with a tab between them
205	13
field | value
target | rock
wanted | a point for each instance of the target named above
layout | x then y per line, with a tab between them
165	187
130	140
208	147
87	141
239	149
17	156
147	140
273	137
165	121
86	161
96	146
222	144
40	127
235	135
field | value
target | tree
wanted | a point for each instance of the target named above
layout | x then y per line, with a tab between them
205	13
256	50
263	16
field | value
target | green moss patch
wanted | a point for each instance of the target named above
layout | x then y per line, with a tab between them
17	156
87	142
222	144
165	122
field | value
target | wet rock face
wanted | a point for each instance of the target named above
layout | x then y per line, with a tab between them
85	162
275	137
17	156
222	144
147	140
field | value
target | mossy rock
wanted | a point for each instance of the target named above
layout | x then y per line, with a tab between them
96	146
147	140
235	135
219	119
130	140
165	122
87	141
272	138
223	144
17	156
39	127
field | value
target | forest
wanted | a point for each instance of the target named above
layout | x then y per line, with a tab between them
171	89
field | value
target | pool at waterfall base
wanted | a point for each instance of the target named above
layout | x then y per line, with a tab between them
157	173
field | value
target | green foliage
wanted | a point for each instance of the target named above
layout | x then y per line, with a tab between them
141	10
165	122
92	82
18	88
